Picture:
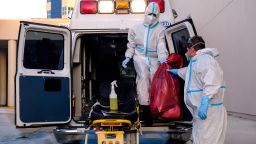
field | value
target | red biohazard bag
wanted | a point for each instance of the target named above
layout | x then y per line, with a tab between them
165	90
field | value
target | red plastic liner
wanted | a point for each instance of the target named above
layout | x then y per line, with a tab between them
165	90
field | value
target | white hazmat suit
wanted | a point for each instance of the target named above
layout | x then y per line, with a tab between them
146	45
204	77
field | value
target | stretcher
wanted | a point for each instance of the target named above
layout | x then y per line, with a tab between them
114	131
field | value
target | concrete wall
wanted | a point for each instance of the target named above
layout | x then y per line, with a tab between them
228	25
9	29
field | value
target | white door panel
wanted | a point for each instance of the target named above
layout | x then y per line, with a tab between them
43	79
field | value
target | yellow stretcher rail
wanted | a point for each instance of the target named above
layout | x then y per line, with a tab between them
110	122
112	132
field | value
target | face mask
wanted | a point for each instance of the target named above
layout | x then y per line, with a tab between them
188	58
149	19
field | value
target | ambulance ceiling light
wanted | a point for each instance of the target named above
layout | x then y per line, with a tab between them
138	6
106	6
122	6
88	7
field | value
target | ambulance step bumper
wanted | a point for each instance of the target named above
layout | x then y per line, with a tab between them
68	135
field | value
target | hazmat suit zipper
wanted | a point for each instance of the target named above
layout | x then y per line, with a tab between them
190	74
148	32
150	27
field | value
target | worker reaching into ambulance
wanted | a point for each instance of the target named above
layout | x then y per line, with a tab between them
146	45
204	92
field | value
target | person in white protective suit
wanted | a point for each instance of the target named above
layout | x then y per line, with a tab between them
204	92
146	45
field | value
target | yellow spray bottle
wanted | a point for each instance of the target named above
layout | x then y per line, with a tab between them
113	97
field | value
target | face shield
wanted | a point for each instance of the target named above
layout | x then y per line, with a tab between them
151	14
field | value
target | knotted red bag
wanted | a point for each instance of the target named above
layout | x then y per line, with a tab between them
165	90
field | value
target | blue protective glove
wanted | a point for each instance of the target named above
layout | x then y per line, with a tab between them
173	71
162	59
203	109
125	62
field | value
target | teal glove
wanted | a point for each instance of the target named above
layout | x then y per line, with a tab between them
125	62
173	71
203	109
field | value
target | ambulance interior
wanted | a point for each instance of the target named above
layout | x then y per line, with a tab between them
98	59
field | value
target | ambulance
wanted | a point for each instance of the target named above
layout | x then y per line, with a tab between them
59	69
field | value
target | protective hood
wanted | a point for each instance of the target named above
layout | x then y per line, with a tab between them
211	51
150	19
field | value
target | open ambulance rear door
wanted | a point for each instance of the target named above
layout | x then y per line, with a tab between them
177	36
43	79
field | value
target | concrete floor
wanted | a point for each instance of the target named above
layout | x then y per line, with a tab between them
240	131
9	134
